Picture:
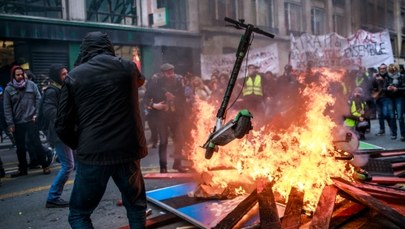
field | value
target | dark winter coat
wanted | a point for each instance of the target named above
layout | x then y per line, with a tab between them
20	104
98	112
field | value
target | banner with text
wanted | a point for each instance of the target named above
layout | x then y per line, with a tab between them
266	58
361	49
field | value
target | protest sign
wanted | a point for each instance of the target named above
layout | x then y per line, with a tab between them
266	58
360	49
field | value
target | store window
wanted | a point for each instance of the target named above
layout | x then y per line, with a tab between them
50	9
130	53
117	12
6	60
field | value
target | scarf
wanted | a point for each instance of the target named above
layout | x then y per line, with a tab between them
394	77
19	85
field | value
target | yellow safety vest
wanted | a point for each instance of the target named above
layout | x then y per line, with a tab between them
253	87
355	112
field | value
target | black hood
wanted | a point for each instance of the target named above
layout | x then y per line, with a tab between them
93	44
54	73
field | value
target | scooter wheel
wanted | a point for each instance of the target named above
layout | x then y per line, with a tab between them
209	152
243	127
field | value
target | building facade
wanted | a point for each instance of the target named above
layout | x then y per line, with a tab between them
41	32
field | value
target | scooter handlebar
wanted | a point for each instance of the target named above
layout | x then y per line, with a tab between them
240	24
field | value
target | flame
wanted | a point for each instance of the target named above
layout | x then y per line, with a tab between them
301	155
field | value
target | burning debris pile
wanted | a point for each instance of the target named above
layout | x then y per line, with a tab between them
291	149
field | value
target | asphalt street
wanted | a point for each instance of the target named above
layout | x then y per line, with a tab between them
22	199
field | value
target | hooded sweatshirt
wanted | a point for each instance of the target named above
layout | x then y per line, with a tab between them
51	101
98	112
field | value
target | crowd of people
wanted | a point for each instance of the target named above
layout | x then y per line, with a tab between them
362	94
103	101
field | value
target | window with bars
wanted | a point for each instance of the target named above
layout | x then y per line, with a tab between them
293	17
117	12
44	8
317	21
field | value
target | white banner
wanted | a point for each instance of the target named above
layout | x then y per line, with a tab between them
361	49
266	58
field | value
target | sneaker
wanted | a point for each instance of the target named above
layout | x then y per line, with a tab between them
59	203
393	137
46	171
402	139
380	133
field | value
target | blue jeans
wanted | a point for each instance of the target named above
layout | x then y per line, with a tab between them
389	114
65	156
399	107
89	187
381	118
166	126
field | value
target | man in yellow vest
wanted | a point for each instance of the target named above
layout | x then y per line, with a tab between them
254	92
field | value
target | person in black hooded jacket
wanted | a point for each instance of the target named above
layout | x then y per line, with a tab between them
57	74
98	117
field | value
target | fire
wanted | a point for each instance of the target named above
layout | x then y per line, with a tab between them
301	155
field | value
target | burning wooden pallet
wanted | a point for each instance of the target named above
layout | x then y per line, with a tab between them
388	202
361	201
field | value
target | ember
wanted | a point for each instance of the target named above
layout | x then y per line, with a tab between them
298	155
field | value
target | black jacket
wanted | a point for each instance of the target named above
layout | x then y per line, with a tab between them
98	112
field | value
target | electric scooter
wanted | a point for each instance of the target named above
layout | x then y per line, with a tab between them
241	124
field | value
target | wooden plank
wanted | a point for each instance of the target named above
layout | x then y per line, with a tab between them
345	214
387	154
398	165
386	193
324	209
366	199
168	175
236	214
292	214
387	180
267	205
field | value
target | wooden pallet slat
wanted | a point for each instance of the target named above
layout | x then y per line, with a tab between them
292	214
324	209
235	215
269	218
367	200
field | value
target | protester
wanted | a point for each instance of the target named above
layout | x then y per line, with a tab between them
395	88
98	116
381	100
57	75
21	100
166	97
255	94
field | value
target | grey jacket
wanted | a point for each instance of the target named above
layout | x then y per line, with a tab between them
20	105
